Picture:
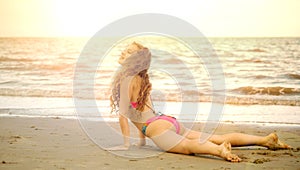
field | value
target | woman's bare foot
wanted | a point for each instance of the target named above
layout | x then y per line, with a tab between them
226	153
272	142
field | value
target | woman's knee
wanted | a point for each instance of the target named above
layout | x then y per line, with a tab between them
217	139
183	147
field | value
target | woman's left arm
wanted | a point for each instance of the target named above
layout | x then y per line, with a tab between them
142	141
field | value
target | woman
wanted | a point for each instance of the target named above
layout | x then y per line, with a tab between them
131	99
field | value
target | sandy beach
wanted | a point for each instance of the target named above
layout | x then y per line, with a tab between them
55	143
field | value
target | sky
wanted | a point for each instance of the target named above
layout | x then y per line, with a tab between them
214	18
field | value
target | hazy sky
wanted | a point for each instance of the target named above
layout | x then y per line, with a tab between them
212	17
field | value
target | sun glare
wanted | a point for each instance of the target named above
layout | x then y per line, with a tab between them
82	18
86	17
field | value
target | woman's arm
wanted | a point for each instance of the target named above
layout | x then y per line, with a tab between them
142	141
123	116
123	121
123	113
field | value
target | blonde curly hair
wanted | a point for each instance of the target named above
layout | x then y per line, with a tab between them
136	65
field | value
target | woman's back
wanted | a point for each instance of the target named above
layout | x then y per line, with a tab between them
135	93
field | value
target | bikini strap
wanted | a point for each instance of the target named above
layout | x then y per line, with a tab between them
151	109
159	113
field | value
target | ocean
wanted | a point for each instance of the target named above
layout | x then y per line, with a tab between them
262	78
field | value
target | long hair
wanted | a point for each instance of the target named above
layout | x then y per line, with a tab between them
145	89
136	64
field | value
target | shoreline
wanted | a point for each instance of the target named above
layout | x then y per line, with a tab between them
193	112
55	143
114	120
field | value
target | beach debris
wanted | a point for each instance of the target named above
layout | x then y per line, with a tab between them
261	161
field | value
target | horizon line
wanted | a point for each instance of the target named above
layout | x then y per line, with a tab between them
180	36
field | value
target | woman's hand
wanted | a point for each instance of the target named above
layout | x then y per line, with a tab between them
141	143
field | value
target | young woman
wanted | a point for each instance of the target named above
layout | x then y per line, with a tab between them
131	100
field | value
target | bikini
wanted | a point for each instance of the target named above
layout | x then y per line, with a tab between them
161	117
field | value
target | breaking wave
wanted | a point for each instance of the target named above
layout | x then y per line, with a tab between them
276	91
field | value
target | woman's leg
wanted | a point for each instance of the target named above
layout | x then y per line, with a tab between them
240	139
172	142
188	146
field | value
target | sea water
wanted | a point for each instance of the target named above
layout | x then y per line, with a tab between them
262	78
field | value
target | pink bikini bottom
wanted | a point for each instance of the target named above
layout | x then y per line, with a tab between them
163	117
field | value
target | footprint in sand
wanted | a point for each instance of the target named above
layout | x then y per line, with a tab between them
261	161
34	127
14	139
6	162
296	149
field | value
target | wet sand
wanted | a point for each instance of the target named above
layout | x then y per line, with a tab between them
55	143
